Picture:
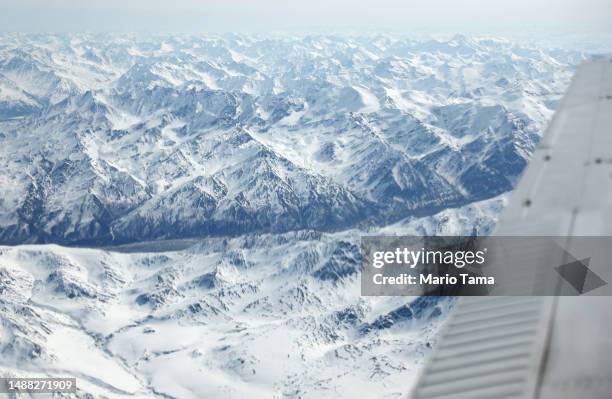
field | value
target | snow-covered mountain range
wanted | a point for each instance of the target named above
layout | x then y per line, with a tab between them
113	140
238	174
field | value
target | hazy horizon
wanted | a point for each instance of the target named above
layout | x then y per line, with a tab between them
190	16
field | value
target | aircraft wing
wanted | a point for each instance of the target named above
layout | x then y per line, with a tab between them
543	347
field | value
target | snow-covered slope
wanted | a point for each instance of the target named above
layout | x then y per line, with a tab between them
238	174
107	139
268	316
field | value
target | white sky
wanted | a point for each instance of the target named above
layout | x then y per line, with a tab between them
471	16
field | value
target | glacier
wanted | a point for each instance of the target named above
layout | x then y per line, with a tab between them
180	215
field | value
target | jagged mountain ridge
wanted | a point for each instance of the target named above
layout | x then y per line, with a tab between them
107	139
